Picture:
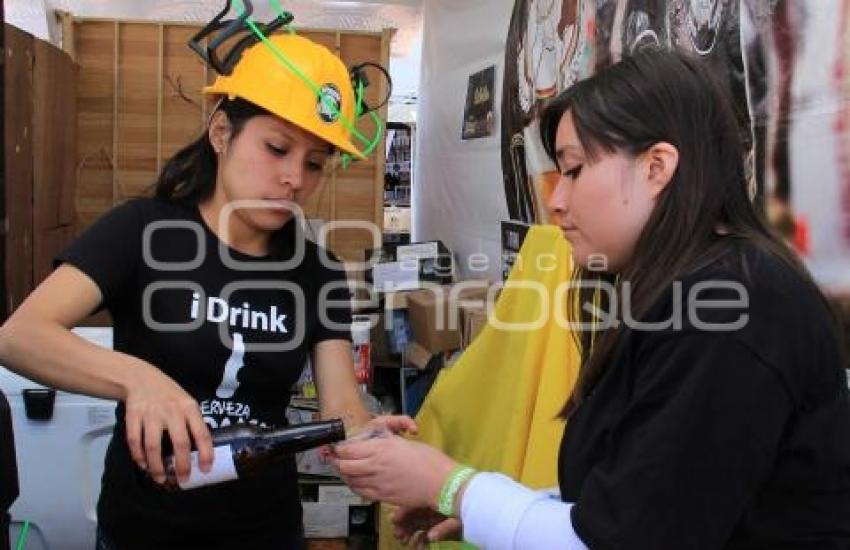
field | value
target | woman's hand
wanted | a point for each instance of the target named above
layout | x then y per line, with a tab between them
377	427
394	470
419	526
155	404
397	424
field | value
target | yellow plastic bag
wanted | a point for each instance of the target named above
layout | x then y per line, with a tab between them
496	408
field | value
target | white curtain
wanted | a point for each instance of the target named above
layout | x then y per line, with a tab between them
458	195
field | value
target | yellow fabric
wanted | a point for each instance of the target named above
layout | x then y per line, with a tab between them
496	408
265	80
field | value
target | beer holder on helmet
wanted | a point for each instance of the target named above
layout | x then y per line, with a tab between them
230	28
358	76
258	33
326	101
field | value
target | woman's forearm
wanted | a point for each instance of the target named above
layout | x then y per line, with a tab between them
501	514
349	407
49	353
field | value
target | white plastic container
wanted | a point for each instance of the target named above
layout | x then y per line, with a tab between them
60	462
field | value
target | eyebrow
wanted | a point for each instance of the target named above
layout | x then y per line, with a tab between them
561	153
288	134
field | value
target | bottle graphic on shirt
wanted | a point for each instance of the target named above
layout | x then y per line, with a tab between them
234	363
243	450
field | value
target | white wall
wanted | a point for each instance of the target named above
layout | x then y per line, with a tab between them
30	16
458	195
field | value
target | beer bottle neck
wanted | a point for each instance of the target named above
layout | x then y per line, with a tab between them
311	434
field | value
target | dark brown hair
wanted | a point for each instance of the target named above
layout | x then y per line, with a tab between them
658	96
189	176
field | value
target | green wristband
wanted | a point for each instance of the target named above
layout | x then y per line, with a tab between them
452	484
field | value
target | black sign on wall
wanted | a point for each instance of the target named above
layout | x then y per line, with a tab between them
478	116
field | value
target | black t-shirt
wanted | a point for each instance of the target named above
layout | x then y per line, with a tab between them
718	439
234	331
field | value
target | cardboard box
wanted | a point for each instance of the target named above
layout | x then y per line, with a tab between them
430	321
435	313
418	356
474	319
395	300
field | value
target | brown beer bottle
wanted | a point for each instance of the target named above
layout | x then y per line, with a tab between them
242	450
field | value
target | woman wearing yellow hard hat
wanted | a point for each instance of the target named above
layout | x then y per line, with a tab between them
217	301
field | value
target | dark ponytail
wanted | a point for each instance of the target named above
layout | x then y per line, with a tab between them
189	176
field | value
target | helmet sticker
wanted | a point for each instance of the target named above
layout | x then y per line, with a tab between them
329	96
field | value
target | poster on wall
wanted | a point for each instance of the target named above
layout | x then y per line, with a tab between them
551	44
478	116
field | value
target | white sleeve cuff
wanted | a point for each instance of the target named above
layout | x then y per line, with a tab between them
495	515
547	525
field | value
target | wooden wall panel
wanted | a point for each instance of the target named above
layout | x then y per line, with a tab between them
94	45
159	108
138	83
183	116
54	155
360	188
40	156
355	49
328	39
18	133
54	116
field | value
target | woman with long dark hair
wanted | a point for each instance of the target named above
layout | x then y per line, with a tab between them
217	300
712	408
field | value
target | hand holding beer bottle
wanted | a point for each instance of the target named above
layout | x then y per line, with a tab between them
243	450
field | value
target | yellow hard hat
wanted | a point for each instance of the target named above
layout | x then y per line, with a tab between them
266	81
